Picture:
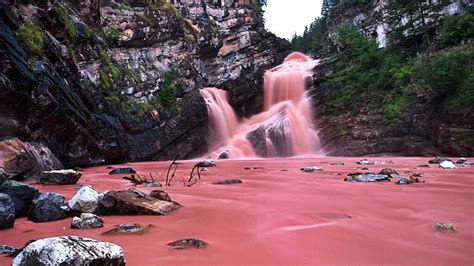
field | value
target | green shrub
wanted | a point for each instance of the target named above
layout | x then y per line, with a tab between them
112	35
166	96
463	100
68	21
458	28
31	37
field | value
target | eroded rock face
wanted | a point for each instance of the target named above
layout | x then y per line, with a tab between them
70	250
133	202
7	212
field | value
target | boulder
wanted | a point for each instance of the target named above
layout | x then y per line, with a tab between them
438	160
445	228
447	165
123	171
161	195
7	250
7	212
46	211
404	181
128	229
59	177
206	163
258	140
337	163
52	196
3	176
364	162
21	194
366	177
188	243
133	202
26	160
70	250
85	200
389	172
153	184
87	221
461	160
312	169
228	182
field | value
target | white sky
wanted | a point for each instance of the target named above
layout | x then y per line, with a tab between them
285	17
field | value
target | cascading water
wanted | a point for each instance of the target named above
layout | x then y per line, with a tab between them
284	128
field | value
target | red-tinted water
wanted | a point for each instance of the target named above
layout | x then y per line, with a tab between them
289	217
286	121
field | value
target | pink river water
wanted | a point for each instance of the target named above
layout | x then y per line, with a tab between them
286	122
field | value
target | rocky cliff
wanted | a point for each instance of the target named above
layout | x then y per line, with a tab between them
109	81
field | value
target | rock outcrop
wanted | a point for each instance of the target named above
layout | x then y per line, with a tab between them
21	194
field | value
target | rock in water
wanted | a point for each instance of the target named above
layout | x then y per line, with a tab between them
461	160
445	228
87	221
7	212
188	243
7	250
60	177
70	250
364	162
122	171
128	229
438	160
366	177
206	163
85	200
228	182
133	202
447	165
21	194
312	169
55	197
161	195
3	175
46	211
389	172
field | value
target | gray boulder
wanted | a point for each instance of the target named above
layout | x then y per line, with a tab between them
7	212
366	177
46	211
228	182
52	196
122	171
21	194
70	250
60	177
87	221
85	200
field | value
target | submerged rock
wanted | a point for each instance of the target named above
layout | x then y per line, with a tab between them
206	163
87	221
128	229
60	177
366	177
404	181
312	169
7	250
188	243
122	171
438	160
364	162
46	211
447	165
228	182
389	172
70	250
133	202
7	212
161	195
85	200
153	184
21	194
337	163
461	160
445	228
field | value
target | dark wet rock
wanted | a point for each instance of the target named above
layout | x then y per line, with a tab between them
468	164
52	196
461	161
161	195
228	182
366	177
188	243
423	166
21	194
7	250
445	228
206	163
128	229
447	165
247	168
85	200
7	212
70	250
224	156
59	177
46	211
257	139
404	181
389	172
87	221
3	176
364	162
438	160
26	160
364	169
337	163
153	184
133	202
312	169
122	171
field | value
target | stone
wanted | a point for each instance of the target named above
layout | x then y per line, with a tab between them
389	172
447	165
224	156
404	181
206	163
228	182
312	169
424	166
366	177
60	177
188	243
7	250
467	164
87	221
128	229
153	184
46	211
337	163
161	195
21	194
3	176
438	160
70	250
247	168
52	196
85	200
445	228
122	171
133	202
461	160
7	212
364	162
